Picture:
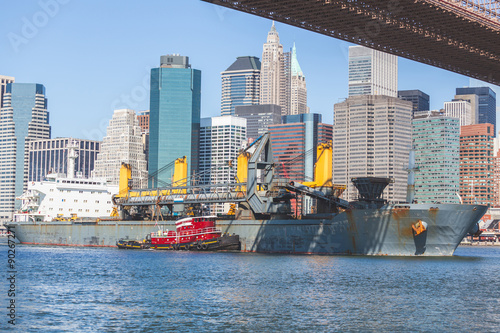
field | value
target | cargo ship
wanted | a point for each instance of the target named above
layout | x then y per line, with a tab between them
263	218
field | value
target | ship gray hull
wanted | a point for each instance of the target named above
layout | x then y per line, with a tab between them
383	231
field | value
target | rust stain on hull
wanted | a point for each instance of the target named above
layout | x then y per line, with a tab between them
400	213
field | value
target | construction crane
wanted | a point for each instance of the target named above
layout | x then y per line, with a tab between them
259	192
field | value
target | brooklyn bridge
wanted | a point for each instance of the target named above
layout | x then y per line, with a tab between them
462	36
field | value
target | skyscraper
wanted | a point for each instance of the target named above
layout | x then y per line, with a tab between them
282	81
259	118
221	139
459	109
122	144
477	164
240	84
372	72
294	144
473	99
174	128
23	118
4	80
436	139
51	155
272	74
420	100
143	118
487	103
372	137
298	89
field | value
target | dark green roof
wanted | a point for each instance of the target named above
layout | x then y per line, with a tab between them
244	63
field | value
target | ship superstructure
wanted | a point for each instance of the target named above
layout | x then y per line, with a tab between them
61	196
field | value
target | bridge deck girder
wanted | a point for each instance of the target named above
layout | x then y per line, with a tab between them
426	31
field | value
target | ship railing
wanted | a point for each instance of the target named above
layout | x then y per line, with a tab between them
193	232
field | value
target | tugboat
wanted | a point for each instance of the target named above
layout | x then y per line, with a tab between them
195	234
132	244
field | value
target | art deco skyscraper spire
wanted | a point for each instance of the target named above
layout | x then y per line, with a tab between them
272	76
282	81
298	90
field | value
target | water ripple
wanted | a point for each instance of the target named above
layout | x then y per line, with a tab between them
65	289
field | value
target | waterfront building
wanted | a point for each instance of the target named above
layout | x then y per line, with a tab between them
122	144
459	109
473	99
436	140
240	84
372	72
221	139
51	156
298	89
487	103
259	118
477	164
4	80
174	128
372	137
420	100
23	118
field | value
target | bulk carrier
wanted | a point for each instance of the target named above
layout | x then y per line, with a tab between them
263	217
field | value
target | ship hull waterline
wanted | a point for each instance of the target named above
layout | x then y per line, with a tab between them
384	231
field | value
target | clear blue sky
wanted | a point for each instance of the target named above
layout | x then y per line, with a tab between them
94	56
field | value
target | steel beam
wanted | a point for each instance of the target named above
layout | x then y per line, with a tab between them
435	32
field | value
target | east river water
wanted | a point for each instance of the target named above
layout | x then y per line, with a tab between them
71	289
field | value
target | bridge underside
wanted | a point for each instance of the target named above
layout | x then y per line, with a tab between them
432	32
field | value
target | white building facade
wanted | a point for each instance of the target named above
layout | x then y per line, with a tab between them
122	144
221	139
372	72
461	110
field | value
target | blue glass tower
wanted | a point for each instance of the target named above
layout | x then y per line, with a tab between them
23	118
174	127
240	84
487	103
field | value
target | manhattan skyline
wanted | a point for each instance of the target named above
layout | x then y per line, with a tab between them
96	57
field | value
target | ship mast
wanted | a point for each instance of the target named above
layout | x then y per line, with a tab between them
72	156
410	192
